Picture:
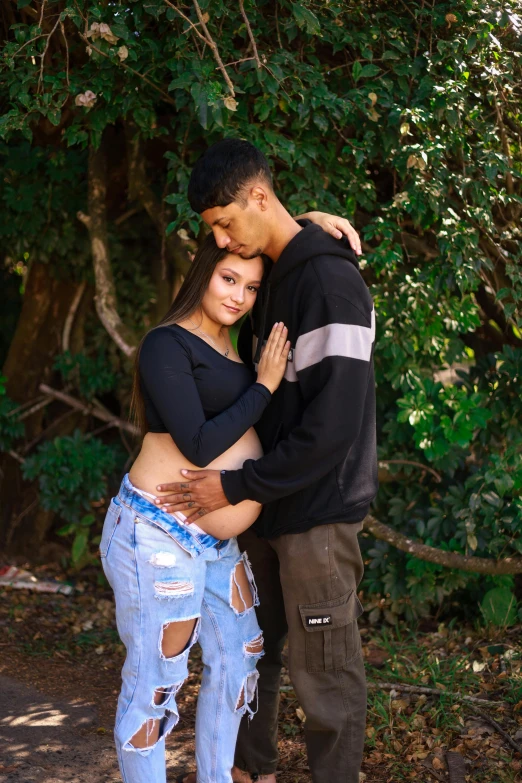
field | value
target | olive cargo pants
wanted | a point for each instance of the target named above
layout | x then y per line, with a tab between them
307	590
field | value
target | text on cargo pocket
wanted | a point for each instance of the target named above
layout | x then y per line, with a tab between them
332	637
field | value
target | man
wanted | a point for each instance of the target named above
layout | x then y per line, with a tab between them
319	473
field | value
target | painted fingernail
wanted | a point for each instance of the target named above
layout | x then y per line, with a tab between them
184	472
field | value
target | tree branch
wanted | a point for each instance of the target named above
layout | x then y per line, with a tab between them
419	246
505	147
93	410
67	328
250	33
96	223
207	38
437	476
478	565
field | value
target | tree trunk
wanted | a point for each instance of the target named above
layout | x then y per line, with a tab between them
37	339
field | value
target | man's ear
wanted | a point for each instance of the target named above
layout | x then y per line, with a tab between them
259	194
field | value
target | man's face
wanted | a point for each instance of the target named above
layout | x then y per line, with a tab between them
240	229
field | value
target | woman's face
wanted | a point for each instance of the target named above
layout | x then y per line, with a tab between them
232	289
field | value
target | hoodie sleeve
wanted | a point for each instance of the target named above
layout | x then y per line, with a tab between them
332	363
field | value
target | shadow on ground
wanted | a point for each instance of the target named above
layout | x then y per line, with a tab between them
52	741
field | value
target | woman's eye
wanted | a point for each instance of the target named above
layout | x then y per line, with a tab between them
229	279
253	289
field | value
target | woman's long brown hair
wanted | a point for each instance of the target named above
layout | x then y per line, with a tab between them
186	303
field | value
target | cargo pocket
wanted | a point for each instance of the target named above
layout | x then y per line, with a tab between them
109	526
332	637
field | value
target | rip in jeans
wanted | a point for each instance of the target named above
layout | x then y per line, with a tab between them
242	584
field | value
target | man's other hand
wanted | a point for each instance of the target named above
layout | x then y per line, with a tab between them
200	493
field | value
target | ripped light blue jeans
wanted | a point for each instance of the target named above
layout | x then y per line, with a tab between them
162	572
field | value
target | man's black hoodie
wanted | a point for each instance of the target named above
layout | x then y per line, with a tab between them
318	433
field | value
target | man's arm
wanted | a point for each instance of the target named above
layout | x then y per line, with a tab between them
332	360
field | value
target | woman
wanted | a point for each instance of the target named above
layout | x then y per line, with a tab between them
175	583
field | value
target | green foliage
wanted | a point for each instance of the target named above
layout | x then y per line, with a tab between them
82	539
11	429
499	607
72	474
91	376
405	117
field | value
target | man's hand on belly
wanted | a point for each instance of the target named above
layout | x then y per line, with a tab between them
198	495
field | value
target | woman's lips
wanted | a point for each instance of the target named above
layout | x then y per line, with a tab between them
232	309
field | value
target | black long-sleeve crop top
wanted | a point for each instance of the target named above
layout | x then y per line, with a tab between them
203	399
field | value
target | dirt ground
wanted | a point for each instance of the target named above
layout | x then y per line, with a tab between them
60	661
61	730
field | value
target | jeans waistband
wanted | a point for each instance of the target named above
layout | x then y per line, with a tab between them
193	541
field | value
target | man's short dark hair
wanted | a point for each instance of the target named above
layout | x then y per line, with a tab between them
221	174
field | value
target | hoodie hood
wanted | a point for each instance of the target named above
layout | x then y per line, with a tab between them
309	243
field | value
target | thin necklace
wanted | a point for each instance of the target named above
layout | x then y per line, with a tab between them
197	328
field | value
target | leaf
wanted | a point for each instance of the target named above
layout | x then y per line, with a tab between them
306	19
79	546
369	70
230	103
23	3
356	70
472	541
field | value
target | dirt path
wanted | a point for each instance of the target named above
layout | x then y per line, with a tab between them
52	739
62	731
49	740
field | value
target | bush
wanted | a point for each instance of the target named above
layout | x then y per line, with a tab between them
72	473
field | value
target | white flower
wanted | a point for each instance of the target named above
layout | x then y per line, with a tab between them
86	99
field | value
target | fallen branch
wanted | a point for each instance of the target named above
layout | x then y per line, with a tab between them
250	33
397	686
421	689
498	728
92	410
478	565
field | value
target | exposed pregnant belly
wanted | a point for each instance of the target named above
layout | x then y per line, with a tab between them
160	462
